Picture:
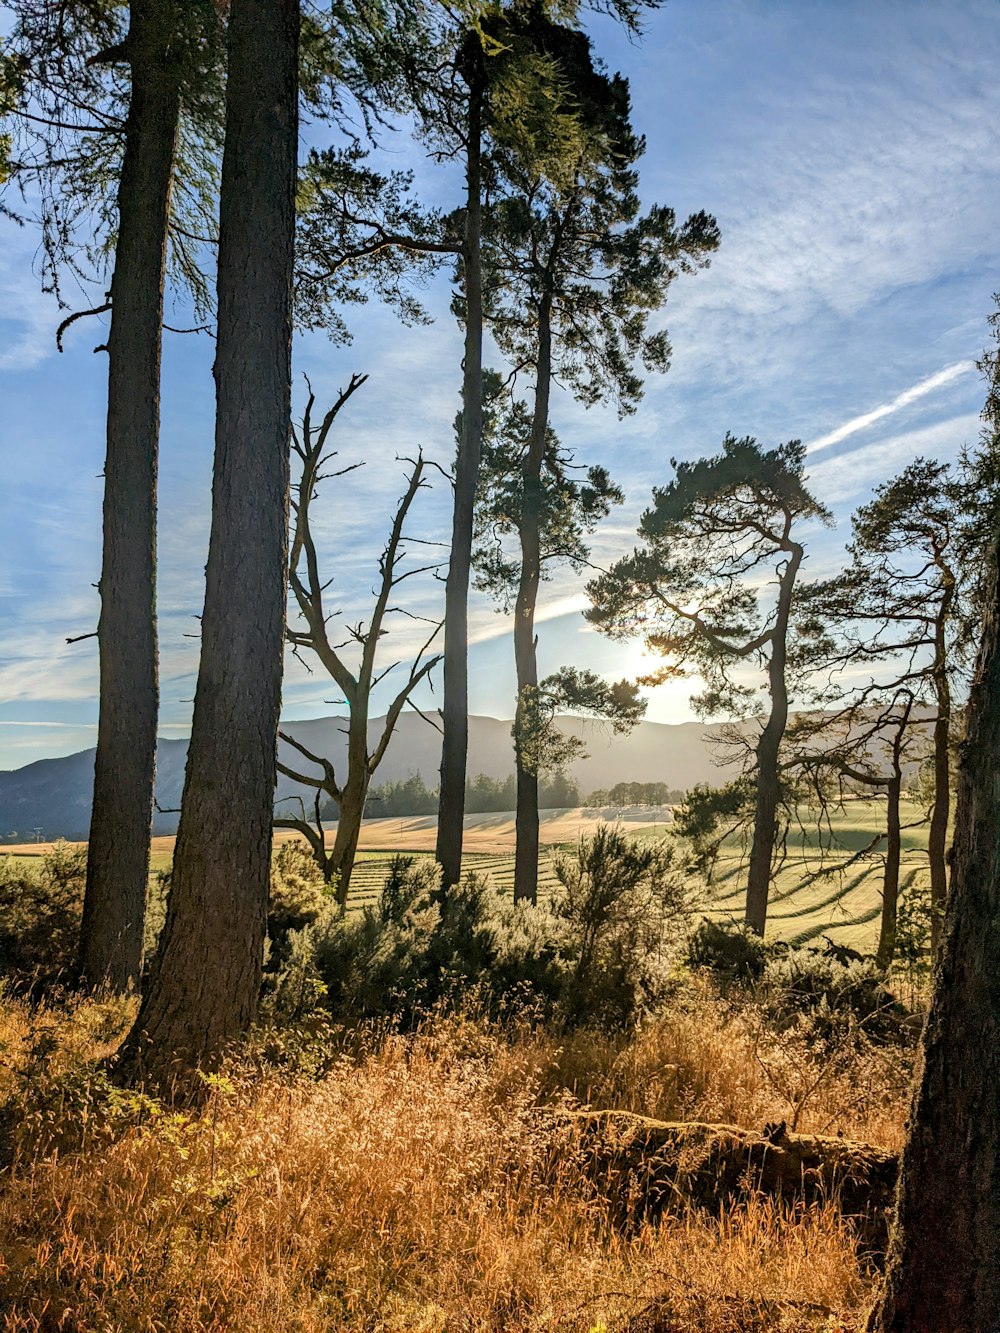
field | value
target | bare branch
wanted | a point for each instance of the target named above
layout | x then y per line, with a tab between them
79	314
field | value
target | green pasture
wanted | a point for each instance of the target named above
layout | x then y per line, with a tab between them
816	892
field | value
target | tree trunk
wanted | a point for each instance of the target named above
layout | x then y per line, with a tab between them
118	853
943	1271
526	718
455	707
765	826
207	977
890	879
351	807
937	837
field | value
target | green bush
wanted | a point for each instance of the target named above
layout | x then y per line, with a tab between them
828	991
837	995
40	912
419	948
733	954
626	908
601	953
298	897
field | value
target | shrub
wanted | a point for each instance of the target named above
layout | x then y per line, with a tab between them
828	991
733	954
626	908
297	898
40	912
600	953
836	995
419	948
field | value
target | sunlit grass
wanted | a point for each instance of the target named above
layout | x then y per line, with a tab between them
412	1186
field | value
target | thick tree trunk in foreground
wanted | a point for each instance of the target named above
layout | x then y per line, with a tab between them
765	827
118	853
207	977
937	837
943	1271
455	707
525	645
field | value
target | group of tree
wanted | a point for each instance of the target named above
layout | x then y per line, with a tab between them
140	119
117	114
831	688
623	794
483	795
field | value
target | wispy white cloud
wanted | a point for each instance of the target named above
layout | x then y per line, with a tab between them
845	478
29	317
912	395
70	726
553	608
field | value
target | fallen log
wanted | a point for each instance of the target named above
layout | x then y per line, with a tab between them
644	1167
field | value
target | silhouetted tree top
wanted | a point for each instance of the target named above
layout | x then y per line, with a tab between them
692	590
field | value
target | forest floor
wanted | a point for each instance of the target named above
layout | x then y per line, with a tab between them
388	1184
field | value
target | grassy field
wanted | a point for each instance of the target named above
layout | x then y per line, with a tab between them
842	903
417	1185
818	894
814	895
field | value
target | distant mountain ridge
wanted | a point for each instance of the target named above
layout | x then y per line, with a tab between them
54	795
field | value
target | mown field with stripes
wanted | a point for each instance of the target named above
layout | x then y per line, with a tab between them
819	893
815	895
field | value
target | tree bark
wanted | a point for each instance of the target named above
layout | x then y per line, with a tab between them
207	976
765	827
890	880
525	643
455	706
937	837
942	1270
351	806
111	936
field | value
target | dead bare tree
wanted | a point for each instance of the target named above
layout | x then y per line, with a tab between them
311	446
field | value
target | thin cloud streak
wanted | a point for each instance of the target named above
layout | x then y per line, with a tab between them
554	610
920	390
71	726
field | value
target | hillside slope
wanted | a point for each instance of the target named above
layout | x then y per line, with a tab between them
54	794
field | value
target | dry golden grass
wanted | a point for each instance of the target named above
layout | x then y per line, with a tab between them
707	1061
411	1188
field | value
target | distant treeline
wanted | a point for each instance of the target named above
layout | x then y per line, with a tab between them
636	793
483	795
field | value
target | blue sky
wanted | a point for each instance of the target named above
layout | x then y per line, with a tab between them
849	152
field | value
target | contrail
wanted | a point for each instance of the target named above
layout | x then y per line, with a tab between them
902	400
74	726
559	606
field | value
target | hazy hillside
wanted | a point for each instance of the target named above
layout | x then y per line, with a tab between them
54	794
